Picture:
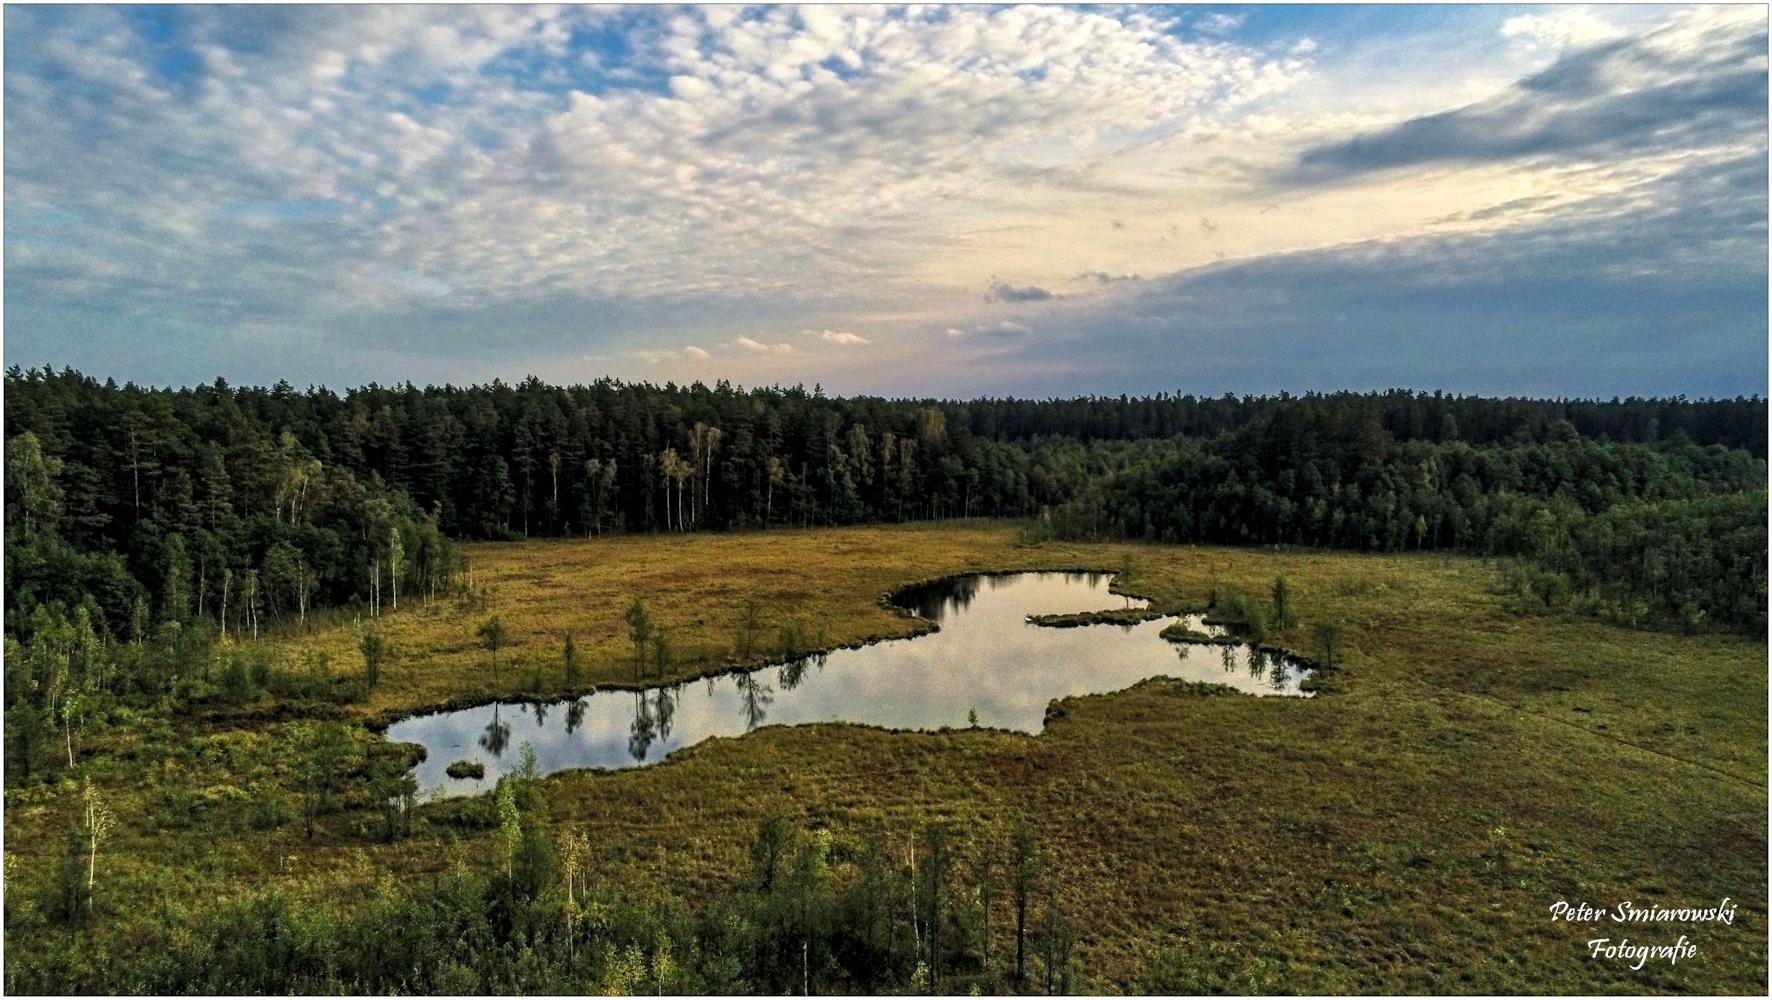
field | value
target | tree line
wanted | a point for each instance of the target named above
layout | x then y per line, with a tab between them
1665	534
251	506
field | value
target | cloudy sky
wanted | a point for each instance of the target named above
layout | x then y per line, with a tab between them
946	201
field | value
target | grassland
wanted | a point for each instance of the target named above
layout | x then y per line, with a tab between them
1462	770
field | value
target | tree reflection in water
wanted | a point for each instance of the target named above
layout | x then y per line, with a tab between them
756	697
653	711
1277	672
664	706
643	731
936	600
790	673
498	735
982	657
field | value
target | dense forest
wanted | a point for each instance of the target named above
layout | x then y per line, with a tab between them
243	508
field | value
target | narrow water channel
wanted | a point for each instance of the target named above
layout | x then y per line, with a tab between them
986	659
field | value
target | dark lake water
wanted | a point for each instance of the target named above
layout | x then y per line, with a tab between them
986	658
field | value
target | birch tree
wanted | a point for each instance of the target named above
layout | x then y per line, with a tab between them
98	823
778	475
396	562
673	469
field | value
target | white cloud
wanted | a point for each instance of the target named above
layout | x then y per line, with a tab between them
753	345
842	338
1219	24
467	177
761	175
1567	27
691	353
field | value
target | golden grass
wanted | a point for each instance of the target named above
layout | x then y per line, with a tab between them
1407	830
695	586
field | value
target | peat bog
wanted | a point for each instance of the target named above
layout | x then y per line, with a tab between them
1463	768
987	666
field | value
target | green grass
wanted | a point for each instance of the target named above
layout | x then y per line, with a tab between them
1408	829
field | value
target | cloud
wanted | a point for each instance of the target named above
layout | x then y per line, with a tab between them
315	164
691	353
1660	289
1005	292
1565	27
1699	82
753	345
842	338
387	192
1219	24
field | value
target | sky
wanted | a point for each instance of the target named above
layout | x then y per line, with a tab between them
947	201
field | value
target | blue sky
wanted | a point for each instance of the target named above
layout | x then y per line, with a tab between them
947	201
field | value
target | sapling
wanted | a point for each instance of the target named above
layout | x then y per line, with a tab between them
374	649
98	826
569	652
639	633
1282	603
493	636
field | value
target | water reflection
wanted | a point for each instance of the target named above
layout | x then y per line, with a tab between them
641	733
654	710
664	702
985	657
756	696
497	736
934	600
792	672
947	597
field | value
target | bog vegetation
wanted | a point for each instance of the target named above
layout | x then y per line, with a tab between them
210	591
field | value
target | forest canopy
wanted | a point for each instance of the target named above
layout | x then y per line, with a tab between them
242	506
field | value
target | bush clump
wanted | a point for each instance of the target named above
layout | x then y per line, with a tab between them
466	769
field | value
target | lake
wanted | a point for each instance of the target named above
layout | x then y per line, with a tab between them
986	658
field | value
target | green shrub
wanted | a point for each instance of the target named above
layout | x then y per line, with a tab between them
466	769
270	808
